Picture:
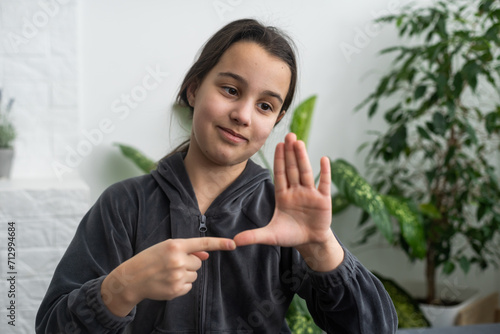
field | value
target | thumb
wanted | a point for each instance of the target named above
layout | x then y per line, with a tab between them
256	236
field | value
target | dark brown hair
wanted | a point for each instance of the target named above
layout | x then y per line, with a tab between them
271	39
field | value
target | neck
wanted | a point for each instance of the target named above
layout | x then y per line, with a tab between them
209	179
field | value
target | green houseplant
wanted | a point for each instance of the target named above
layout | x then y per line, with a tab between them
442	108
7	136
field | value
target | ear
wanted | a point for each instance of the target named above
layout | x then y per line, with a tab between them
280	116
191	93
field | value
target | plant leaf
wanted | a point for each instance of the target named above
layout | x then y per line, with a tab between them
430	210
339	204
423	133
299	319
439	123
397	141
448	267
471	132
457	85
420	91
359	192
470	72
410	223
373	108
464	264
491	120
137	157
302	116
481	210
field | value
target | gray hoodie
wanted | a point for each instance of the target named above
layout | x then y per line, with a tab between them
247	290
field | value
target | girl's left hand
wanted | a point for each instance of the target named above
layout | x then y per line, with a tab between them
303	213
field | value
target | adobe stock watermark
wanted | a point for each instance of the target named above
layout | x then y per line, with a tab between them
120	110
364	35
268	308
457	294
31	27
263	309
221	7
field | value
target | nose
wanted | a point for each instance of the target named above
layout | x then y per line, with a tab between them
241	114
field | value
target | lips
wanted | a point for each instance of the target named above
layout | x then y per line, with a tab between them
234	136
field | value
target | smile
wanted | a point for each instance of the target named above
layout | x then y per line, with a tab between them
231	135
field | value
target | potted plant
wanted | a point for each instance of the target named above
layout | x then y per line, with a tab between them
441	103
7	136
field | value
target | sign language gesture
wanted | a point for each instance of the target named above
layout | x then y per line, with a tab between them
161	272
303	212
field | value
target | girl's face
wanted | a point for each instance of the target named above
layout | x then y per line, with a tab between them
237	104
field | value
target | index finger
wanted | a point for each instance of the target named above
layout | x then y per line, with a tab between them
206	244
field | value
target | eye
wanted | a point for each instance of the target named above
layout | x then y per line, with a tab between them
231	90
264	106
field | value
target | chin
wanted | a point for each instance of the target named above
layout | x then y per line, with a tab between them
229	160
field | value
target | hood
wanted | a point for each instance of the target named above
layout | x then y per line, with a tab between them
173	179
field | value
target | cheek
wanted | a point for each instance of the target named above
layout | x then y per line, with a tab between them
211	107
199	124
204	112
197	119
265	129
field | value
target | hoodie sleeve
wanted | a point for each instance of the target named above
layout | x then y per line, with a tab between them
348	299
102	241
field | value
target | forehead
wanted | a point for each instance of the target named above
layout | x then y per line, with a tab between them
256	65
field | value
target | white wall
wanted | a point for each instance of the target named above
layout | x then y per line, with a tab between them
121	39
39	69
120	42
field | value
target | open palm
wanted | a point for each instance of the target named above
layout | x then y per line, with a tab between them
303	212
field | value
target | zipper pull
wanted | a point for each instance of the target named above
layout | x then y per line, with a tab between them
203	224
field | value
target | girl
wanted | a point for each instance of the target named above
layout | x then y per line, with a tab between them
139	262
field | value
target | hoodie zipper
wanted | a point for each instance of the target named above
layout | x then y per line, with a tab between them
203	225
203	279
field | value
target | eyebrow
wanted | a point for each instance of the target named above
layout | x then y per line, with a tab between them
244	81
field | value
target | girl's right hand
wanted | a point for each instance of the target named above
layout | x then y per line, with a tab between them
161	272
